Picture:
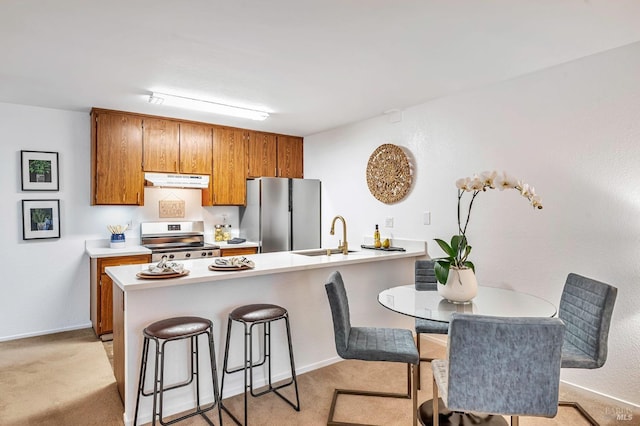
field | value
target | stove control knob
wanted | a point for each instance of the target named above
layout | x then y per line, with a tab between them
210	253
204	253
187	255
171	256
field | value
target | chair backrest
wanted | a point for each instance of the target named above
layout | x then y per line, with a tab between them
425	275
504	365
339	311
586	306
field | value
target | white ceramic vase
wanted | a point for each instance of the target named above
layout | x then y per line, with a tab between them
461	286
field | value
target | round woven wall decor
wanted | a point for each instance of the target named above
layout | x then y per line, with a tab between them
389	173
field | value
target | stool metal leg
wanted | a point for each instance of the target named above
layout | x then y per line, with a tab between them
141	378
249	364
194	371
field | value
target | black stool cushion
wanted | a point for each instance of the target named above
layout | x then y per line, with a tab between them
257	312
172	328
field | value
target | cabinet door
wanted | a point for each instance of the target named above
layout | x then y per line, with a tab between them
195	148
117	159
229	170
290	163
261	155
161	145
104	320
240	251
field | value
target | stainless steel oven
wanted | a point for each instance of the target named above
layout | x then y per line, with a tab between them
176	240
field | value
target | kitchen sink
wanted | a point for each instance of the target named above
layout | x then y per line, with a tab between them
321	252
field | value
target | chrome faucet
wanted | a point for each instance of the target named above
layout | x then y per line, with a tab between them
344	246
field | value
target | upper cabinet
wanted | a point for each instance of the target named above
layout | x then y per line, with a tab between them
175	147
228	183
126	145
116	158
261	155
161	140
196	142
270	155
290	158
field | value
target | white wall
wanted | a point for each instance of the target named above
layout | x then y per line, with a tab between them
573	132
45	283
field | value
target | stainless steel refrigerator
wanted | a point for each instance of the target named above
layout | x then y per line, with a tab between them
282	214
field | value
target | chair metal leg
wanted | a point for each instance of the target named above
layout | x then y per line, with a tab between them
435	421
581	410
426	359
412	392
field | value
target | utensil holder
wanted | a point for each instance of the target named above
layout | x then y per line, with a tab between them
117	241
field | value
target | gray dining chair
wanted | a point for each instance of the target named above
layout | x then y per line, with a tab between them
497	366
369	344
586	307
425	280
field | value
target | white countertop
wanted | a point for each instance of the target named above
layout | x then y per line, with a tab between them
265	263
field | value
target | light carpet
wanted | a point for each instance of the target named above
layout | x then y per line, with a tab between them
66	379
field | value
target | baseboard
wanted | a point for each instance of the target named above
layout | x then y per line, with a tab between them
600	394
45	332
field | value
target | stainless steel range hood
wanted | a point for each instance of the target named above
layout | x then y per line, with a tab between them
171	180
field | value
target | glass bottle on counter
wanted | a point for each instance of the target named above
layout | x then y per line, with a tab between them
226	233
376	238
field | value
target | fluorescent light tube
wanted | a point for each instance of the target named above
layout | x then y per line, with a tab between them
206	106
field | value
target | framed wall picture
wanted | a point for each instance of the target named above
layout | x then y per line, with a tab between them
40	219
39	171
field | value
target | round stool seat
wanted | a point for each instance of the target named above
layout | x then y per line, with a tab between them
172	328
257	312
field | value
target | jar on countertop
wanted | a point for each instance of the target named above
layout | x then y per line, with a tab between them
219	233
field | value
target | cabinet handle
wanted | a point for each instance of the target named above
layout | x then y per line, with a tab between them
137	197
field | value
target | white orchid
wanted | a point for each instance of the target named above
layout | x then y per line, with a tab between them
459	249
504	181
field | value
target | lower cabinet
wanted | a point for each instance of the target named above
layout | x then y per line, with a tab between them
101	293
238	251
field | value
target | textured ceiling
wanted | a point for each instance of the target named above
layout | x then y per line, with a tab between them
315	65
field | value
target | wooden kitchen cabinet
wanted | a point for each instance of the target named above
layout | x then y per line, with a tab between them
161	145
101	290
261	155
270	155
290	156
228	184
238	251
196	148
116	158
176	147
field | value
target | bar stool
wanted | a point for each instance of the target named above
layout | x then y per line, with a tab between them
250	316
171	330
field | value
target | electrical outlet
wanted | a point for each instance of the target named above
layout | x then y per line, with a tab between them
426	218
388	222
130	224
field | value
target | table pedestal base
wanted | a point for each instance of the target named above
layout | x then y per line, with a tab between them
456	418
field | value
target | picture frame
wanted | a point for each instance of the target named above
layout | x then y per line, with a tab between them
39	170
40	219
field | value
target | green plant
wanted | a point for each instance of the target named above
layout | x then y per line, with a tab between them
457	252
40	167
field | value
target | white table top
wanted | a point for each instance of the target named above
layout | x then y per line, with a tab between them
489	301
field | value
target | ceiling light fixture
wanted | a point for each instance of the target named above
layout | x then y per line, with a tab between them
206	106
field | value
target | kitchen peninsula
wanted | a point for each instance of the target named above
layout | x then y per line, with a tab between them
290	279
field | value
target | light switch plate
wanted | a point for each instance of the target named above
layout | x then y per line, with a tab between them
426	218
388	222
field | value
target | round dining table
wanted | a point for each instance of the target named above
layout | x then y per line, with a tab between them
494	301
430	305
